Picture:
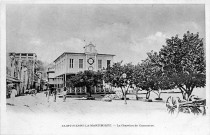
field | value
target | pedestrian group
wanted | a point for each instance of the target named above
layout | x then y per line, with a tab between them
53	92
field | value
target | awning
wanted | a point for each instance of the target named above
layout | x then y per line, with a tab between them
10	79
11	84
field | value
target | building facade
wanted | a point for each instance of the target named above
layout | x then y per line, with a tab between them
69	63
28	65
21	68
12	73
51	79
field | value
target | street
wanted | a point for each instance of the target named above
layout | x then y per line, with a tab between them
123	68
34	115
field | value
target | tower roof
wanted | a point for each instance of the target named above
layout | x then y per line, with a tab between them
90	49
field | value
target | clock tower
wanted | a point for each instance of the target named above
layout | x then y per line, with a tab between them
91	53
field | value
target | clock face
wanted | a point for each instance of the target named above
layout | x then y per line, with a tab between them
90	61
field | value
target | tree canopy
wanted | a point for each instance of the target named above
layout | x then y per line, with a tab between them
183	62
115	76
86	79
180	63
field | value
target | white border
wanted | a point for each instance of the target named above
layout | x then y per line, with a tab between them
105	1
207	23
2	66
3	38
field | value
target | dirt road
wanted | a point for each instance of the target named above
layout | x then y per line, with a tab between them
34	115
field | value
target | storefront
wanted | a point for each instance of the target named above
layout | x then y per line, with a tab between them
12	82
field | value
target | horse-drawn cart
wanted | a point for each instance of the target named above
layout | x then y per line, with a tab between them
193	105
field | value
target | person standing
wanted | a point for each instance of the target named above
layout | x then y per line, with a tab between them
51	91
54	94
48	94
64	94
13	94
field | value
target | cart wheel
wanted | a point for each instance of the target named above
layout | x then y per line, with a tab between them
204	107
203	110
192	98
172	105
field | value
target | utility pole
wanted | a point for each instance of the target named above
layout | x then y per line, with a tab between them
33	68
33	73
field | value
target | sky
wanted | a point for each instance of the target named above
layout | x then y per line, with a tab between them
128	31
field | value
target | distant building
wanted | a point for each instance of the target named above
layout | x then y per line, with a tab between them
26	56
39	81
51	77
70	63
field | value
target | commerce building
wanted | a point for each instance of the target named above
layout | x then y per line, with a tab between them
70	63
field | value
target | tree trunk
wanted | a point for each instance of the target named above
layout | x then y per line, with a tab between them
188	94
89	90
184	93
125	99
159	95
185	96
159	92
90	93
124	94
122	91
137	95
148	95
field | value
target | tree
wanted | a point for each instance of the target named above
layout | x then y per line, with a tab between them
40	66
148	76
183	61
161	80
144	77
120	76
87	78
